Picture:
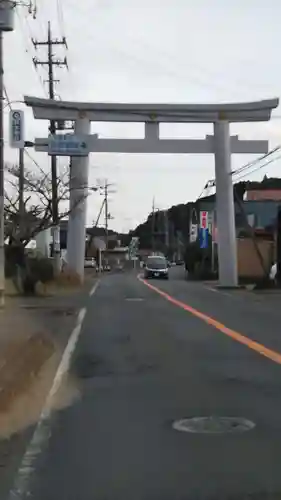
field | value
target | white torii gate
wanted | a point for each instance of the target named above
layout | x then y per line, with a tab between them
220	144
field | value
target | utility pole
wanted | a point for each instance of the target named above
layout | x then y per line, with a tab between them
2	219
50	63
153	226
166	224
7	8
106	213
21	189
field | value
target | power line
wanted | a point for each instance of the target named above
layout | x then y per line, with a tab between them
28	50
260	167
212	182
61	16
257	160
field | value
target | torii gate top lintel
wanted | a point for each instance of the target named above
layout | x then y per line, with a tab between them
129	112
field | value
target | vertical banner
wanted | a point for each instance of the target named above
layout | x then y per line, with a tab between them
203	237
204	220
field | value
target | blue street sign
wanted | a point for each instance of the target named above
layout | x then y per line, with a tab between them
67	145
203	237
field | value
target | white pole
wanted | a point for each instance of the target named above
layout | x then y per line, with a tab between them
227	247
100	260
78	206
2	218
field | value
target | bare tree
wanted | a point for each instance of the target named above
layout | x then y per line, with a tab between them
36	215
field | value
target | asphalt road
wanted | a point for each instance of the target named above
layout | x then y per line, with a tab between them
142	364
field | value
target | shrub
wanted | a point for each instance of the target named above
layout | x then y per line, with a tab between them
37	270
14	257
41	269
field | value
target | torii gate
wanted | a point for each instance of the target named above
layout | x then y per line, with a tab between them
221	144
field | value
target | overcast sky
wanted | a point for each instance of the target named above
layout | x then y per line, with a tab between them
151	51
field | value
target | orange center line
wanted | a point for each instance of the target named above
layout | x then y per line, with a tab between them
251	344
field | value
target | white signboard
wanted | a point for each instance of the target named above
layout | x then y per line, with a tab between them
99	244
193	233
17	128
210	222
67	145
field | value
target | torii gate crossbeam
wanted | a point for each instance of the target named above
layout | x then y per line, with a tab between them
221	145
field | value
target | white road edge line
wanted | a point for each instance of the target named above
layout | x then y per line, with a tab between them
42	430
93	290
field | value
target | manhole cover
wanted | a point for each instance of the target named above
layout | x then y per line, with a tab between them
213	425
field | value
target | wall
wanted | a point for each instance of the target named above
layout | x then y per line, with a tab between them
249	264
43	241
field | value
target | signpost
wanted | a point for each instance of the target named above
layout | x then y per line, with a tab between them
17	128
133	249
67	145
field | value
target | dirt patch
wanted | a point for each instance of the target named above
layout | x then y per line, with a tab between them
26	380
20	364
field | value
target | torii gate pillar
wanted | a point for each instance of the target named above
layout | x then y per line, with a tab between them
227	247
78	185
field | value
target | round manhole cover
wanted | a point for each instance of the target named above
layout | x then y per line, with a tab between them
213	425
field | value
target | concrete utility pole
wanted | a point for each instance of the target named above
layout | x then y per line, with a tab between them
153	226
21	188
6	24
2	190
107	215
167	232
50	63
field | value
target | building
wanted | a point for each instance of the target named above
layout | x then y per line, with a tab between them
260	214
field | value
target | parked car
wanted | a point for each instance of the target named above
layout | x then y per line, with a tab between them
156	267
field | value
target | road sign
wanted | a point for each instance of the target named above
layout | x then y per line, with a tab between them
133	247
203	237
17	128
67	145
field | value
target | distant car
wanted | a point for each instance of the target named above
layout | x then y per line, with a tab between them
179	262
156	267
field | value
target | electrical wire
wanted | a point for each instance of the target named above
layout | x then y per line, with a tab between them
61	16
257	160
259	168
192	72
212	182
192	66
29	51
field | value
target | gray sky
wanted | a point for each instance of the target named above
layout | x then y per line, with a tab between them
154	51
